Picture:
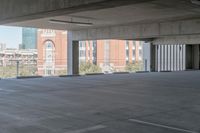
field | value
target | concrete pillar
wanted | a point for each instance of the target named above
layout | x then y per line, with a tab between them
196	56
75	46
72	55
184	57
153	58
146	56
175	58
192	57
159	58
162	58
157	51
169	57
172	58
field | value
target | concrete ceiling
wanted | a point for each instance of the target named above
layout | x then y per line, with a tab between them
146	12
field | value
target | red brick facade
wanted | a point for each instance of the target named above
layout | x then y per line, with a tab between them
58	63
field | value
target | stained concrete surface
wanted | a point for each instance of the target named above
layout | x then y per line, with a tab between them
123	103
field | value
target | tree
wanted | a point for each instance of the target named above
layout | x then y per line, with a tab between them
134	67
89	68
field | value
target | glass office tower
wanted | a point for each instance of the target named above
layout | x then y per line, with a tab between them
29	38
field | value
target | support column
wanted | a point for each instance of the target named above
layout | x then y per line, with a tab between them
75	46
72	55
153	58
157	59
146	56
192	57
196	56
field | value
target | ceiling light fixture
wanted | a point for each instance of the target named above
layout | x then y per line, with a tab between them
54	21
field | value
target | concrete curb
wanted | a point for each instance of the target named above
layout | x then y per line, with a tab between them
142	72
165	71
28	77
63	76
121	73
93	74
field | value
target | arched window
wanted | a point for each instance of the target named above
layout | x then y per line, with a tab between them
49	54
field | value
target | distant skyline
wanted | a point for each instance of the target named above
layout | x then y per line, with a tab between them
11	36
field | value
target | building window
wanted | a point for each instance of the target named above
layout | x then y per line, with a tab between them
82	45
49	52
49	58
82	52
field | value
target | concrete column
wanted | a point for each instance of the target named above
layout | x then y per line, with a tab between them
162	58
69	53
196	56
72	55
169	57
175	58
159	58
153	58
172	58
192	57
157	49
184	57
181	57
147	56
165	57
178	57
75	46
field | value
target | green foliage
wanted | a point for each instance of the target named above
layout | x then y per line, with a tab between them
8	71
89	68
61	72
27	70
134	67
11	71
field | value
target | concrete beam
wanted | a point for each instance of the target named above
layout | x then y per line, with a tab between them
141	31
185	39
21	10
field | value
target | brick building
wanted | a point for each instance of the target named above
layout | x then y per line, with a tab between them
110	55
52	52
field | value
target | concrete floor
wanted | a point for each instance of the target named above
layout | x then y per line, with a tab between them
134	103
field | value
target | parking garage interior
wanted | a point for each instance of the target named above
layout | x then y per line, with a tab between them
160	101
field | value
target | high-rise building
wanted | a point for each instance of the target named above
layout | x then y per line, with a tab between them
29	38
2	46
20	46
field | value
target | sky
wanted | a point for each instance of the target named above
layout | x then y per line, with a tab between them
11	36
